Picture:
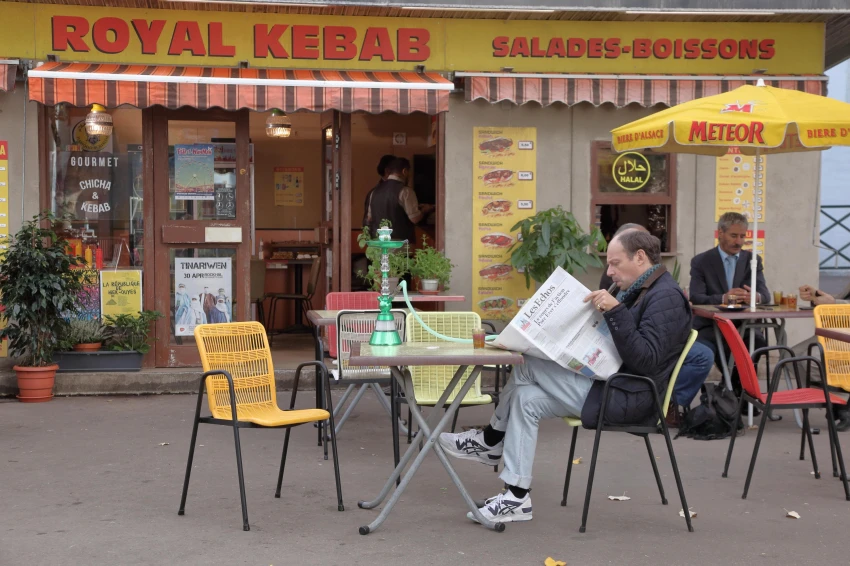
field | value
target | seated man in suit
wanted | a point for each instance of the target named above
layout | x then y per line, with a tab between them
724	272
695	368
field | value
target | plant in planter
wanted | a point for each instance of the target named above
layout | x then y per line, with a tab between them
432	267
399	262
553	238
130	333
40	287
83	335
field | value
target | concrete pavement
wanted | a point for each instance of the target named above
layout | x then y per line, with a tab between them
86	480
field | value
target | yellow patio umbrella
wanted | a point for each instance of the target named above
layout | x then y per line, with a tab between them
757	119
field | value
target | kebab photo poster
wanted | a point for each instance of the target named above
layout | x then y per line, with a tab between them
504	187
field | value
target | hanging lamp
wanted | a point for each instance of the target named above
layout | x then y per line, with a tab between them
98	121
278	124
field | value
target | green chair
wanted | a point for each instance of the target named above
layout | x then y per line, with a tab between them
639	431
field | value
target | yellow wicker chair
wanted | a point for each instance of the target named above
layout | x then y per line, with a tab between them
429	382
240	385
836	354
576	424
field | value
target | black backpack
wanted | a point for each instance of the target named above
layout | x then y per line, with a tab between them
716	416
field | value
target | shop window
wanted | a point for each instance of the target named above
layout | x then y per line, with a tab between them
635	187
96	184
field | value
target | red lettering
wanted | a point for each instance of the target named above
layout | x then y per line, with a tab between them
756	129
677	49
691	49
500	46
535	48
215	35
305	42
339	43
612	48
712	132
594	48
741	131
642	48
766	49
556	48
709	49
120	35
413	44
376	42
748	49
576	47
148	34
266	41
68	32
697	131
187	37
520	47
730	132
728	48
662	48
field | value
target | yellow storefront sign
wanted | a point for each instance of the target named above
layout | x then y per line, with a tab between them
120	292
504	192
131	35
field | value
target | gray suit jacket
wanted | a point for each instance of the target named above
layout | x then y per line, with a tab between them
708	280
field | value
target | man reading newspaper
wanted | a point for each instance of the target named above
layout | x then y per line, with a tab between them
648	320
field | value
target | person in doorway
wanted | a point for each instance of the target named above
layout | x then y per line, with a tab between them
382	174
207	302
393	200
649	319
695	368
723	272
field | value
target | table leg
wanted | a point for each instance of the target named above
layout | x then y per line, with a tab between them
782	340
431	443
320	398
724	367
394	422
299	287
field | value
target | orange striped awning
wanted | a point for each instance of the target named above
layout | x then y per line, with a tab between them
617	90
113	85
8	70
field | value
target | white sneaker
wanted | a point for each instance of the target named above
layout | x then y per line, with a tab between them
505	508
470	445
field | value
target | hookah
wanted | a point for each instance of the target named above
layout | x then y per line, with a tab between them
385	333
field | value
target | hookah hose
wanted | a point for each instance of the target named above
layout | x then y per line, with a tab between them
403	286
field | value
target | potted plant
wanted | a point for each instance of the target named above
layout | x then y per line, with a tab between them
553	238
85	335
39	288
399	262
432	267
127	340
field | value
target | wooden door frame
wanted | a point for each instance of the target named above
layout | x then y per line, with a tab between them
165	234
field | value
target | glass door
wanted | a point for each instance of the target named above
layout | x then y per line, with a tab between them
202	180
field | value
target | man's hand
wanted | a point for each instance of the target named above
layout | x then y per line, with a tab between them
426	209
749	292
808	293
602	300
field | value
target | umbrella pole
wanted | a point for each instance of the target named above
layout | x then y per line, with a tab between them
754	259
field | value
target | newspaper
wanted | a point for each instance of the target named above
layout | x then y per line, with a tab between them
556	324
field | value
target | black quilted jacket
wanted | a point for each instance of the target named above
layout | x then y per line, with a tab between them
650	333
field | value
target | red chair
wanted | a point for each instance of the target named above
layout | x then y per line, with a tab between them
804	398
364	300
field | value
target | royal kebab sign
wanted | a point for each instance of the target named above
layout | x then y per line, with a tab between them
144	36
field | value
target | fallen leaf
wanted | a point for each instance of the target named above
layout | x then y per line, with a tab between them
792	514
682	513
619	497
577	461
552	562
163	444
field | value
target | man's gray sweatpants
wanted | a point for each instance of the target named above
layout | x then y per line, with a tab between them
537	389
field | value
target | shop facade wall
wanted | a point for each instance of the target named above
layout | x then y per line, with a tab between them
23	165
564	141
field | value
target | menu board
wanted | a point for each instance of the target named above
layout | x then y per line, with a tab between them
4	197
289	186
735	189
504	187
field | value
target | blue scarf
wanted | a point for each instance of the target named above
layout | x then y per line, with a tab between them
629	294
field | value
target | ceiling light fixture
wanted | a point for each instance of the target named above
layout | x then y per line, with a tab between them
98	121
278	124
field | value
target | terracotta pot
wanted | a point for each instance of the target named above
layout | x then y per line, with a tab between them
88	347
36	383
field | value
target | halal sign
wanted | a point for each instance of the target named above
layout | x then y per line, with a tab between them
631	171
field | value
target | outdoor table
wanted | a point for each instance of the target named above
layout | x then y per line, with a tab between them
750	318
428	354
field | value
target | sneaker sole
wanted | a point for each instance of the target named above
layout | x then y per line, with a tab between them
507	519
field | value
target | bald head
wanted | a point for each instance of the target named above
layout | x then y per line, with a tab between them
630	226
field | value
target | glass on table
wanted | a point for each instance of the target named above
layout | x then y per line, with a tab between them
791	300
478	338
777	297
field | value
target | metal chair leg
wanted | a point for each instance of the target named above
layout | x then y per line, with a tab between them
764	413
182	509
409	426
832	455
569	466
394	419
320	369
590	477
808	431
245	526
732	440
282	463
802	443
655	469
675	465
454	419
834	433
